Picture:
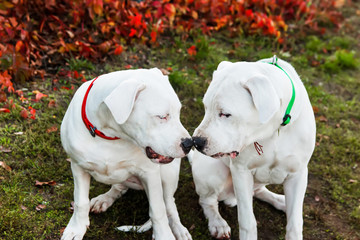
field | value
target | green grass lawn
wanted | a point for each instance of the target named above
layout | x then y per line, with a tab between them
329	68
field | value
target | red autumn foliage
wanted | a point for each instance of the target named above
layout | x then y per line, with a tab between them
192	50
36	34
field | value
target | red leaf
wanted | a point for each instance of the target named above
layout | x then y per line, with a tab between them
19	46
5	81
170	10
118	50
5	110
192	50
24	114
132	32
75	74
39	95
128	66
249	13
136	21
153	36
32	112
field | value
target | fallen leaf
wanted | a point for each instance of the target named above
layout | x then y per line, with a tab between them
315	109
50	183
5	166
32	112
23	207
164	71
353	181
128	66
62	230
322	118
40	207
39	95
4	150
72	206
54	128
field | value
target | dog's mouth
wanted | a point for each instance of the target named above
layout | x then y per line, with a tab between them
157	158
232	154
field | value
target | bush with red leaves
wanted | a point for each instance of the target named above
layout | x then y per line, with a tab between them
37	34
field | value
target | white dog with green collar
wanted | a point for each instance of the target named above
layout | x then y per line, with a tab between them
258	129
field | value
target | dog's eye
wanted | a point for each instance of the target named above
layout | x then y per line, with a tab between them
227	115
163	117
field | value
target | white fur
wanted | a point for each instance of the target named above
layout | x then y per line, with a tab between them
256	95
131	105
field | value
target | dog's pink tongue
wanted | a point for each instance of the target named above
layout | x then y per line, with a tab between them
233	155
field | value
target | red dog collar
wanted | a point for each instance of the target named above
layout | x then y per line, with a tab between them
92	129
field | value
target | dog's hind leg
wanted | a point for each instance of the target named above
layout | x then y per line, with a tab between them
277	200
102	202
79	221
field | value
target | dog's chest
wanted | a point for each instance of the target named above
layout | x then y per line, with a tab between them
108	172
266	165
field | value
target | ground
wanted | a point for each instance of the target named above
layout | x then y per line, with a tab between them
329	67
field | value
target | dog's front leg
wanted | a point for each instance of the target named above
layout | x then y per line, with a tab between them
294	189
243	182
79	221
170	178
157	211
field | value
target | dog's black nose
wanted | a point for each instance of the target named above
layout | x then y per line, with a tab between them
186	144
199	143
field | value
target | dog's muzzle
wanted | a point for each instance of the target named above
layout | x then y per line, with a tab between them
199	143
186	144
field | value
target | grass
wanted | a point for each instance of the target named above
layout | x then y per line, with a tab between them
329	68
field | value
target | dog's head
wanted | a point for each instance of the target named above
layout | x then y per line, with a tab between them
240	105
147	110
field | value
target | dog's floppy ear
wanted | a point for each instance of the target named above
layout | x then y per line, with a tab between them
223	64
264	96
121	100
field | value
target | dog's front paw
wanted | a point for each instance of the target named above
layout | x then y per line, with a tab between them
219	229
74	231
163	234
101	203
180	232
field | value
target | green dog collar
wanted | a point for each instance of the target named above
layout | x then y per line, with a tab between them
287	116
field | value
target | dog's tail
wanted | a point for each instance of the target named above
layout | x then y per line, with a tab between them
190	156
139	229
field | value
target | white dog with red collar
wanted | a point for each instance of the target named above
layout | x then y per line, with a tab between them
123	129
258	129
